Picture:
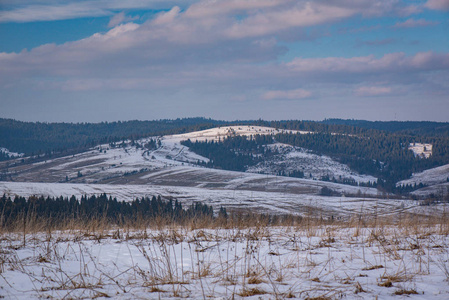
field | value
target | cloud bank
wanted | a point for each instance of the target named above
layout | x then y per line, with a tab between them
208	52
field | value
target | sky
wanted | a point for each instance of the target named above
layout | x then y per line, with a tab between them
108	60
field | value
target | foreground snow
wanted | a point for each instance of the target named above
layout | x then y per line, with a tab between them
285	262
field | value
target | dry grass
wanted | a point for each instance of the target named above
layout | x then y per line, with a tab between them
251	292
382	245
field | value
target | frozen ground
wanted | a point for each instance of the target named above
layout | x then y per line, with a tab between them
320	262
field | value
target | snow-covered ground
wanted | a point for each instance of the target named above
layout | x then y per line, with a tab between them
214	134
319	262
291	158
421	150
274	200
429	177
439	190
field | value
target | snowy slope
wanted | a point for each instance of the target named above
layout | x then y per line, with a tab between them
429	177
439	190
291	158
174	164
214	134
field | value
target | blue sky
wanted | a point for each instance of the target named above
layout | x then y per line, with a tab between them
78	61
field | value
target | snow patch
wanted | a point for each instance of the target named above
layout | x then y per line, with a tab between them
11	154
421	150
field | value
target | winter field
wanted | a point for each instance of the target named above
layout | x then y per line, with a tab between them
311	260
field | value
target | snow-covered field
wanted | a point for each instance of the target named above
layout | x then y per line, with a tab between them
277	201
319	262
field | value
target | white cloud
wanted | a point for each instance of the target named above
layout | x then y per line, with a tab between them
392	62
308	14
221	7
410	23
120	18
167	17
53	12
438	4
30	11
232	51
369	91
286	94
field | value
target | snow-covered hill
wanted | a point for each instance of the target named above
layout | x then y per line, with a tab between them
214	134
161	165
289	159
134	162
429	177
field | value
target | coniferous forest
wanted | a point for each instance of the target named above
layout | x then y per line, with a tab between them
60	210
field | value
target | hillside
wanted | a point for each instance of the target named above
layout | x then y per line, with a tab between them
244	157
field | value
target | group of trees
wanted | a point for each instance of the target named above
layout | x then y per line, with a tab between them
232	153
61	210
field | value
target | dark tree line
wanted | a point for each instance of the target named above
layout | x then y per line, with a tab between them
59	210
49	138
419	128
